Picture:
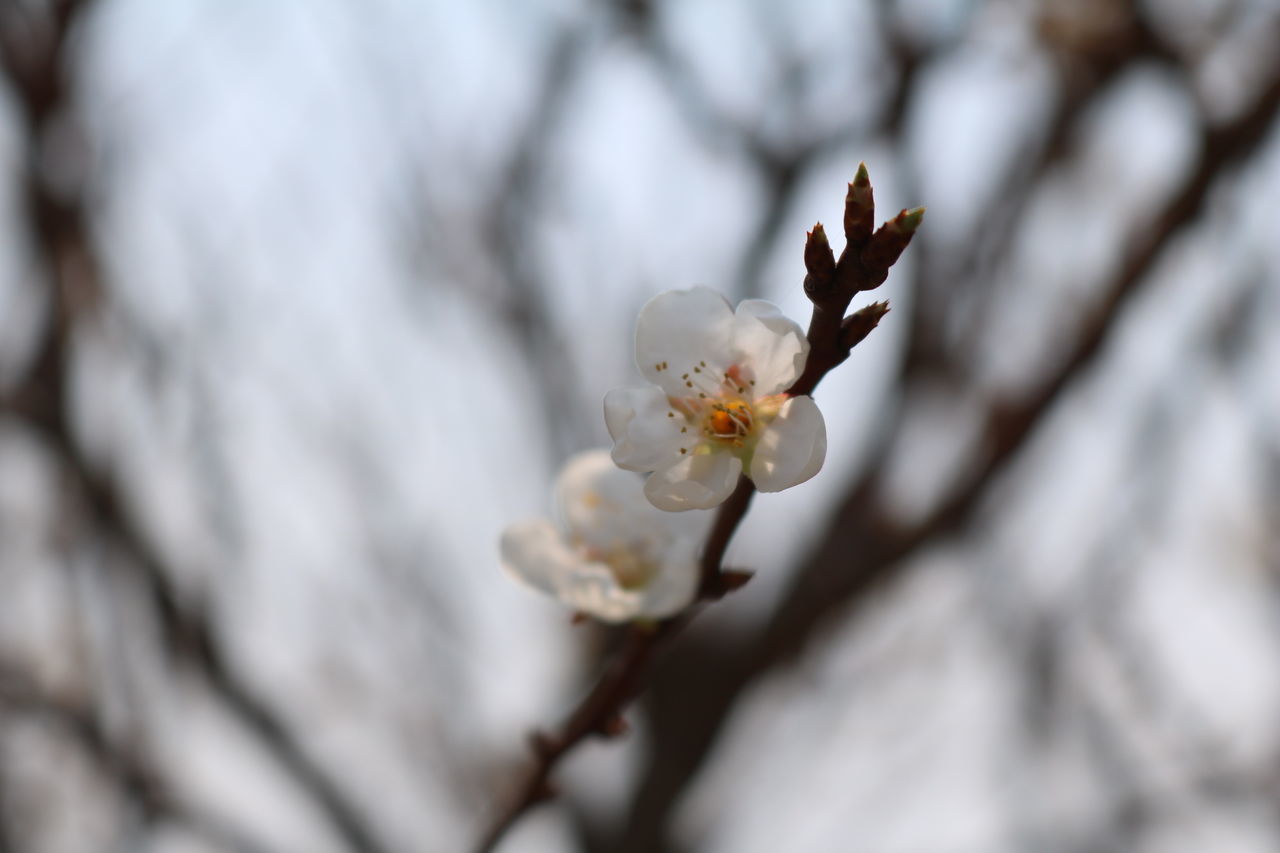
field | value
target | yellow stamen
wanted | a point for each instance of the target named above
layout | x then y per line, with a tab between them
730	421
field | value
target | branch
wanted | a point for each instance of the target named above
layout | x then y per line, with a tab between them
831	286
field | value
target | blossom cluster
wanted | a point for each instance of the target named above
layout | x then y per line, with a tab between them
716	408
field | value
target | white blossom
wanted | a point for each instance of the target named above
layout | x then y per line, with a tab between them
609	554
717	406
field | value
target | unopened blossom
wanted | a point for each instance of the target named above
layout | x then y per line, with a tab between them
609	554
717	406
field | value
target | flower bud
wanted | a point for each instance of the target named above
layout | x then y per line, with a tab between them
855	328
888	243
859	208
818	257
820	262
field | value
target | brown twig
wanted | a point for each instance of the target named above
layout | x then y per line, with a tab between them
598	713
831	286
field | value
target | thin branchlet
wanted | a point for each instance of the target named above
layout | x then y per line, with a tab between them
831	286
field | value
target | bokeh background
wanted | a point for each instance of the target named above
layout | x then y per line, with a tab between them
301	301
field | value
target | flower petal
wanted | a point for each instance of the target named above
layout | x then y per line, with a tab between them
602	505
698	481
644	428
584	486
593	590
678	330
608	517
773	347
534	552
677	583
792	448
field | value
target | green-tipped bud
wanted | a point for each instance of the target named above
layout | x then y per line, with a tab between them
863	178
909	220
859	208
855	328
888	244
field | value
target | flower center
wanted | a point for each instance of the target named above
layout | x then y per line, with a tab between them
721	410
631	570
728	421
628	564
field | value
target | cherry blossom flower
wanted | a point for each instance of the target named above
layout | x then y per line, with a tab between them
611	555
717	406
